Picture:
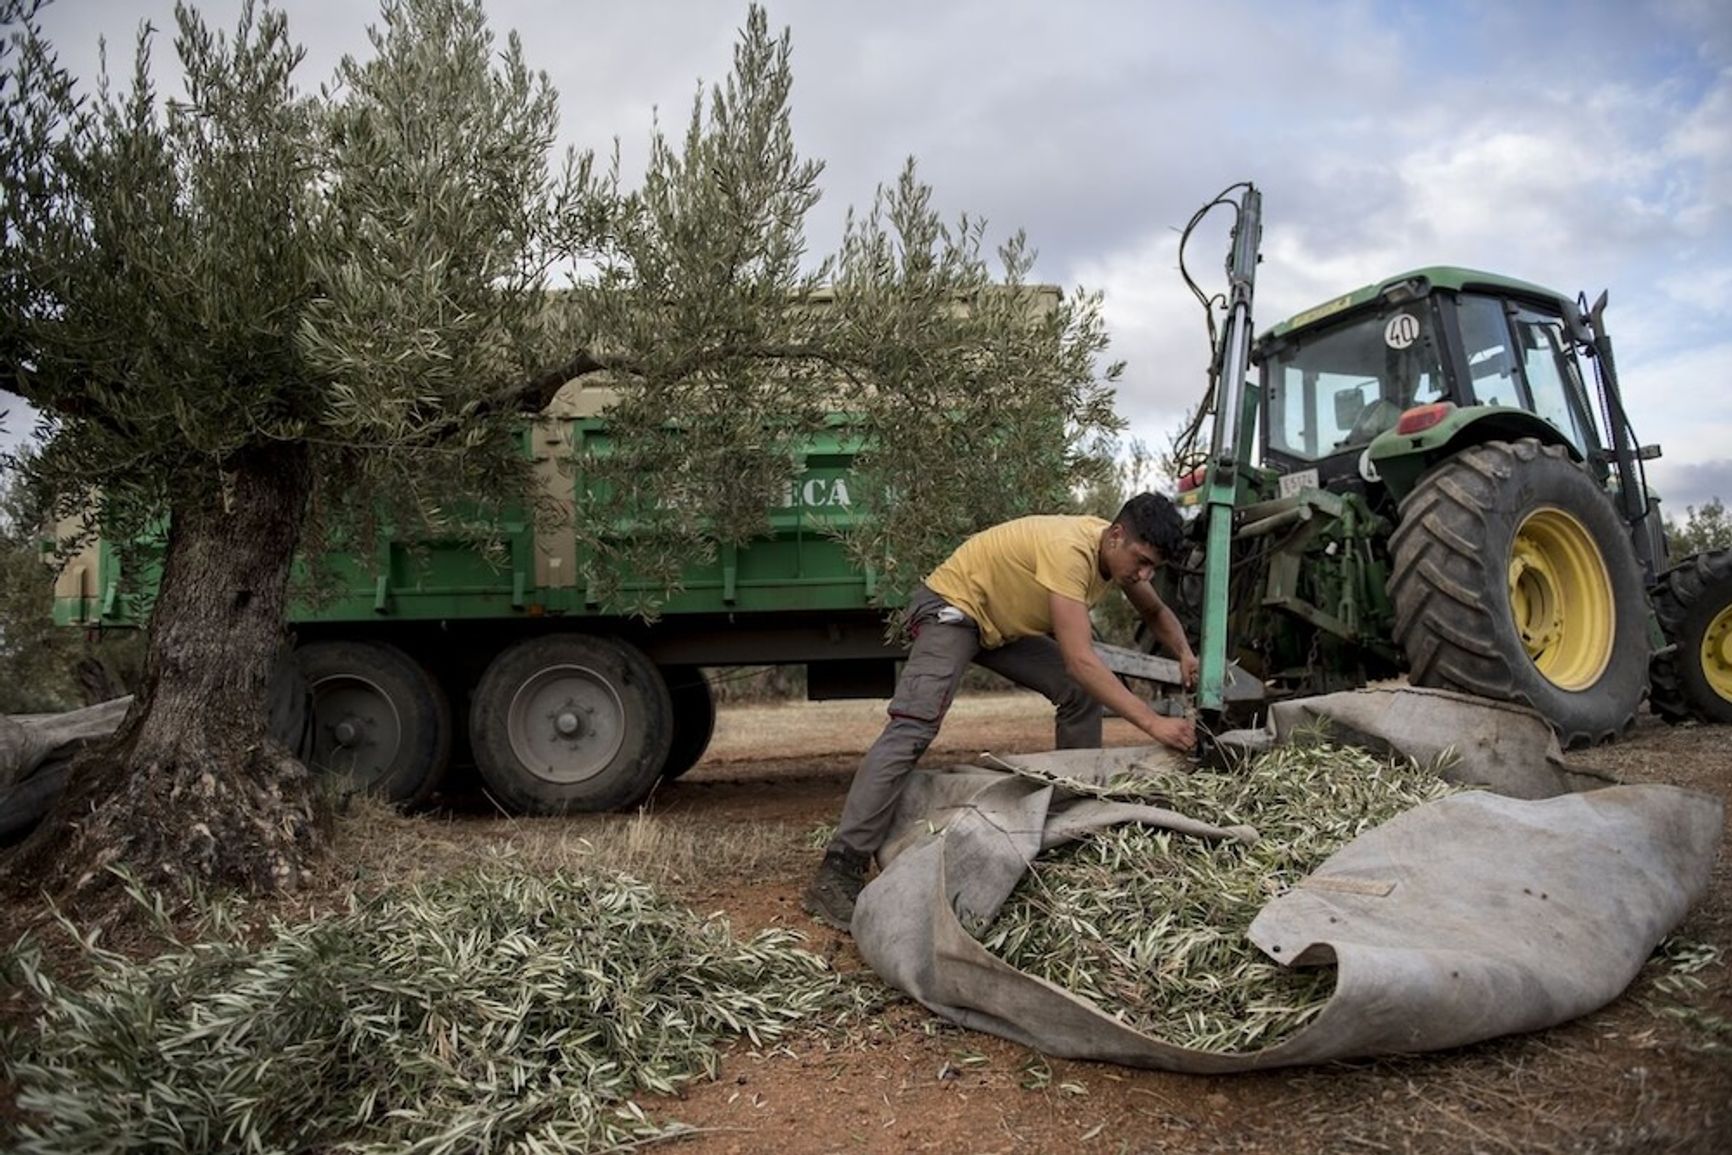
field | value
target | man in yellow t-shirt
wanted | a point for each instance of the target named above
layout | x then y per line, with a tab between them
1016	599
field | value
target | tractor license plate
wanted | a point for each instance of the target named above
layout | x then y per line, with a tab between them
1292	483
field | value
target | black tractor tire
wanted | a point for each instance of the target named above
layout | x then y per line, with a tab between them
694	715
569	723
1693	600
379	719
1454	550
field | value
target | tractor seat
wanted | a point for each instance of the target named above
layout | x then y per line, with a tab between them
1377	417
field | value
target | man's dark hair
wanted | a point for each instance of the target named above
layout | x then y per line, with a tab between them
1152	520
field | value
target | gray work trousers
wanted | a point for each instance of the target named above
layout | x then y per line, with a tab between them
941	652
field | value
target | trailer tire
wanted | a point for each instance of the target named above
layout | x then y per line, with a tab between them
1514	579
694	718
23	804
1694	604
568	723
289	706
378	717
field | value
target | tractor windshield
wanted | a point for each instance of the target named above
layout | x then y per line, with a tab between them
1334	388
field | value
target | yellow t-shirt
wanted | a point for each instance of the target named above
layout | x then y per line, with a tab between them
1002	577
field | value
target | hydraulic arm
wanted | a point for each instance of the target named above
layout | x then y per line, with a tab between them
1229	446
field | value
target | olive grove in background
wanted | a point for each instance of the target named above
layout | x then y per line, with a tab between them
1704	527
45	669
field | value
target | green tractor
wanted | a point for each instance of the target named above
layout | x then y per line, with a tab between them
1419	481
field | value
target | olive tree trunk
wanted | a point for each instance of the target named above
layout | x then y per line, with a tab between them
191	790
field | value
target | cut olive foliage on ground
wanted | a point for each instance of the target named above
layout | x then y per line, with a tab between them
1151	925
494	1011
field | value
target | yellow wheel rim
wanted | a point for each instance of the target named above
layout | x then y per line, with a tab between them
1717	654
1560	597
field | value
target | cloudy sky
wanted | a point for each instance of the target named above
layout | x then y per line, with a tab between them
1583	146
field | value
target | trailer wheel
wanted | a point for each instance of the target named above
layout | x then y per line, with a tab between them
1694	604
694	718
1514	579
23	804
379	719
569	722
289	702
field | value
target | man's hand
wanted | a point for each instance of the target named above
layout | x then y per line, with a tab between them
1188	669
1179	733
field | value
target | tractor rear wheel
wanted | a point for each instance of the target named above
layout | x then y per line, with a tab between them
1514	579
1694	604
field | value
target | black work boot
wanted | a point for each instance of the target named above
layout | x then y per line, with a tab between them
830	897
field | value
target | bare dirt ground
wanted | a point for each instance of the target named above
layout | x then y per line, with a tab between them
741	833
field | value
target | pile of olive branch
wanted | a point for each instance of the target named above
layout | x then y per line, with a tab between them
1151	925
496	1011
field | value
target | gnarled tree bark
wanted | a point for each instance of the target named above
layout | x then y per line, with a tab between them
191	790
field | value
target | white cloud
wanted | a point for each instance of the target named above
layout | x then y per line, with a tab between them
1158	329
1705	23
1706	132
1706	289
1502	187
1701	144
1679	399
1693	484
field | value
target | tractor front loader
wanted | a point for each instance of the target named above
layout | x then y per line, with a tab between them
1418	481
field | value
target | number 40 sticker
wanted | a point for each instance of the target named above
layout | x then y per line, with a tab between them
1402	331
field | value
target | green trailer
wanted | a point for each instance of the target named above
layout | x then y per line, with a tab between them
497	649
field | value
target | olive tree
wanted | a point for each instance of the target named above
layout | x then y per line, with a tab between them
232	306
259	320
972	395
1702	529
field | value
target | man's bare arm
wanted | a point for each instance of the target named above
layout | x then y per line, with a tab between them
1070	628
1164	625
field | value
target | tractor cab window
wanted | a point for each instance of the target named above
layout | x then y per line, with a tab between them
1335	390
1519	357
1549	363
1490	360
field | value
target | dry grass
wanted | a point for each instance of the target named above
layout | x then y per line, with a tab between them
975	722
375	846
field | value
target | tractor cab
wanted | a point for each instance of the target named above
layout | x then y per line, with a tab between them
1425	353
